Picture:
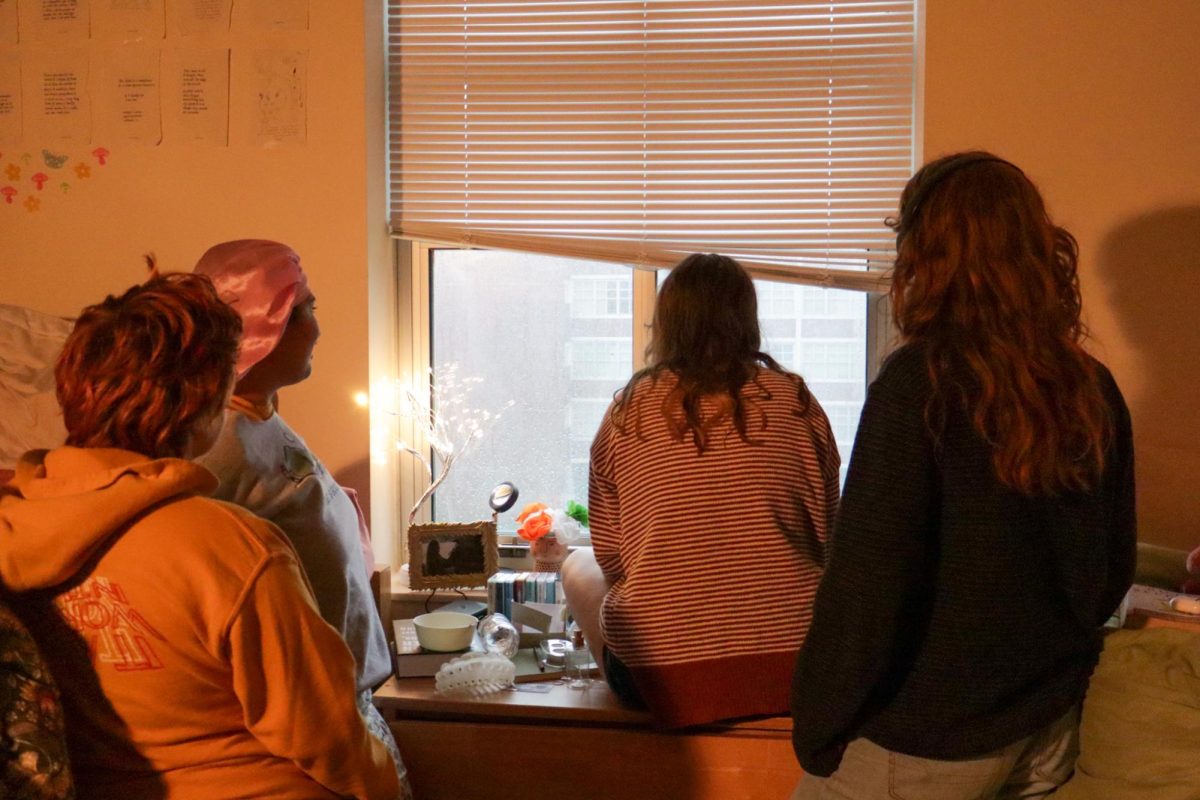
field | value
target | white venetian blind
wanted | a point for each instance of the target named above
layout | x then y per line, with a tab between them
780	133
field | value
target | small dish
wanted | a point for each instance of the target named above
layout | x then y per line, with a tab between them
445	631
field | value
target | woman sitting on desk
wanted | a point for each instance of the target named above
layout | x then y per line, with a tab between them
714	479
986	531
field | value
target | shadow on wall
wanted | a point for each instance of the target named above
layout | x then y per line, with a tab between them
1151	265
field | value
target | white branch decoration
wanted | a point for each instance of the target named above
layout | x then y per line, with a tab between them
447	424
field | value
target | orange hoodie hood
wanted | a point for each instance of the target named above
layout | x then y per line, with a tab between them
65	504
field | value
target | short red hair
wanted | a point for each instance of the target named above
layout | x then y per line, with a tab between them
141	371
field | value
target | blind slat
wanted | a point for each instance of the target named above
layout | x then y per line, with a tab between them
777	132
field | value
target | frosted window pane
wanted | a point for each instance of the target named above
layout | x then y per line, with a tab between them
552	334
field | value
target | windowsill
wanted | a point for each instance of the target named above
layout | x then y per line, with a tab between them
402	591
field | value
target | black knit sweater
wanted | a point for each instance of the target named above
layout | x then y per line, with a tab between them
955	616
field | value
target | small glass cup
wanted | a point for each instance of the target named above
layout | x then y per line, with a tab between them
499	635
577	669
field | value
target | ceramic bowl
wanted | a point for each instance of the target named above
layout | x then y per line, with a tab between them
445	631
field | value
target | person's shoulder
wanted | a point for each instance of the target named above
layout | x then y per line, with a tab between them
787	387
1104	375
1110	389
218	527
905	371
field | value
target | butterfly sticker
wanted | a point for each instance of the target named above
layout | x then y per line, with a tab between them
53	160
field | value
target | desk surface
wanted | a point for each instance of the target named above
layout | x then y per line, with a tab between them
415	698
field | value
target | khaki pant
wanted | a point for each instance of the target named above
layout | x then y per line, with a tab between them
1030	768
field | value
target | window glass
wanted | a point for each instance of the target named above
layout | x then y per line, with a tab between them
552	334
822	335
601	296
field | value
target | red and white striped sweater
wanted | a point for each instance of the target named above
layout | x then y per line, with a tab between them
714	558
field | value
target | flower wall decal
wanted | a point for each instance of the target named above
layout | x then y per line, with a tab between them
57	173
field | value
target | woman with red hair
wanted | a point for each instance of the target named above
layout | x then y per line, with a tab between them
986	530
180	629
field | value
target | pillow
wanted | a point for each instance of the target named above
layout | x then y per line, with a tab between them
1139	736
29	344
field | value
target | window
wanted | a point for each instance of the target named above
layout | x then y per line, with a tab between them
599	359
565	141
511	320
822	337
598	296
775	300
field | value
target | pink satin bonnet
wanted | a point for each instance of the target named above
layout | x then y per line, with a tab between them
263	282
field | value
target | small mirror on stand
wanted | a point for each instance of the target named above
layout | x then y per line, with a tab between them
502	498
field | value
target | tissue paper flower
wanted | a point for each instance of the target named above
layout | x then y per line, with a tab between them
538	521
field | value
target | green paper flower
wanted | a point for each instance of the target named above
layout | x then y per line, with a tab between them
577	512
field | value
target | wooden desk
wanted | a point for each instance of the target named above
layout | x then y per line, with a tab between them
579	744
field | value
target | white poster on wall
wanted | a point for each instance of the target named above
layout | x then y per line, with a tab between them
10	99
128	20
125	88
8	21
58	20
287	15
201	17
54	94
196	88
279	93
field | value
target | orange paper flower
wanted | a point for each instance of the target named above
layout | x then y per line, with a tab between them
536	523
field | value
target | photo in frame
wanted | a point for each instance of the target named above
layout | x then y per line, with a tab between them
451	555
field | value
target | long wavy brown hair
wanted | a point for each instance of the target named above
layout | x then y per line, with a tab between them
989	285
141	371
705	333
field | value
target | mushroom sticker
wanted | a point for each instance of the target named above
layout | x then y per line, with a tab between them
9	193
39	179
101	154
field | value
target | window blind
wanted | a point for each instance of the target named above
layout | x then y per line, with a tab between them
780	133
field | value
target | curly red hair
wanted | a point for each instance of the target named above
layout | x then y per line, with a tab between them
141	371
989	284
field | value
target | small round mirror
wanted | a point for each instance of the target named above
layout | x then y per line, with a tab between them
503	497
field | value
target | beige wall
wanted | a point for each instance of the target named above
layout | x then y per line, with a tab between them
178	199
1099	102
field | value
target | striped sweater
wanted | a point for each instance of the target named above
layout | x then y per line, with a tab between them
713	558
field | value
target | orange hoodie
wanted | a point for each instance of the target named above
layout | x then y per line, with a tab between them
183	636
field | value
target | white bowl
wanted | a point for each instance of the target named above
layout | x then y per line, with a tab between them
445	631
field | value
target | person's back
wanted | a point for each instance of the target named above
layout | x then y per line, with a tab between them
986	530
266	467
714	480
180	630
1001	594
190	691
718	553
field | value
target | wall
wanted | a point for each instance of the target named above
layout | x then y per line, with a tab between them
1099	102
178	199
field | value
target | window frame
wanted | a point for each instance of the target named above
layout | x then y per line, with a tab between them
414	343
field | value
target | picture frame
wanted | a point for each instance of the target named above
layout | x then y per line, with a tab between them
451	555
